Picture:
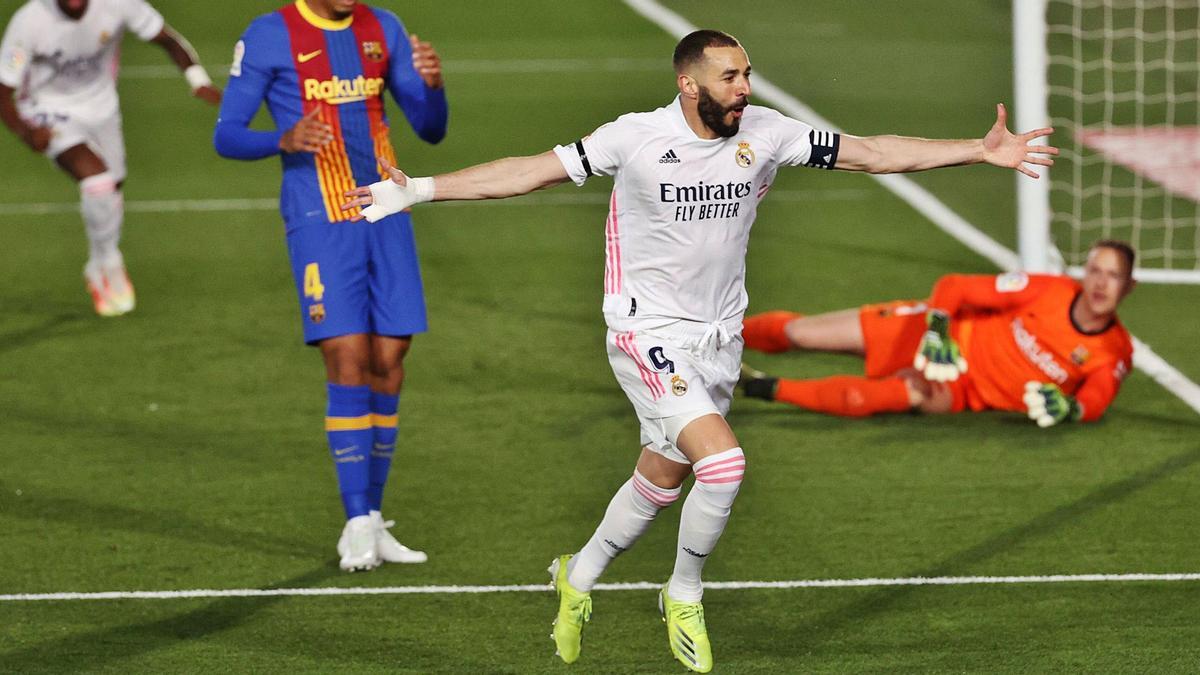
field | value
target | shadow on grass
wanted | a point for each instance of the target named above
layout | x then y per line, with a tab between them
100	648
827	626
94	516
48	327
340	647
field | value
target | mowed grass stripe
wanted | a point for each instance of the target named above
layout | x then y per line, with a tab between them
629	586
272	204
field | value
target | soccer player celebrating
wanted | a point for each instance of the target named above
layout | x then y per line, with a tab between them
322	67
59	58
1046	345
687	181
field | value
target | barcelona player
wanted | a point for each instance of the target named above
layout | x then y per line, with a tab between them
1046	345
322	67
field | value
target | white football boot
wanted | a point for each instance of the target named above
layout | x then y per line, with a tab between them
386	546
120	290
97	287
357	545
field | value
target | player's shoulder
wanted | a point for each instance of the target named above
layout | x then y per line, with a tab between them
386	18
1060	283
266	27
640	123
762	116
1119	341
32	12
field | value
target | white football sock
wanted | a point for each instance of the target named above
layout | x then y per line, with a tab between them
103	208
705	513
629	515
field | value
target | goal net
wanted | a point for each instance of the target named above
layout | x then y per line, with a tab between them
1120	82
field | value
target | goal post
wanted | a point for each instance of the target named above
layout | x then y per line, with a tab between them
1119	80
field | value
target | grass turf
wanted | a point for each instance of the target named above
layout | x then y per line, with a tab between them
181	446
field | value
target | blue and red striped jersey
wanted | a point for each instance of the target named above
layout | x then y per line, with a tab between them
297	61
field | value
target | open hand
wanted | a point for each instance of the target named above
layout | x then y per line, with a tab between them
309	135
426	62
1004	148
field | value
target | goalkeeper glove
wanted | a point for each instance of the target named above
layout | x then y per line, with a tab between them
938	358
388	197
1048	405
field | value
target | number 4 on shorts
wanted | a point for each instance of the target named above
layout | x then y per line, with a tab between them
312	282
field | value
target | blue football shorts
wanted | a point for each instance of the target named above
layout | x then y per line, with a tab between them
356	277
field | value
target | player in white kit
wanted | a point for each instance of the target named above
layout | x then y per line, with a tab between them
58	94
688	178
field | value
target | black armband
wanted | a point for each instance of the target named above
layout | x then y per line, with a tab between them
825	146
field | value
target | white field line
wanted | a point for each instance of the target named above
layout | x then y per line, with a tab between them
272	204
925	203
455	67
632	586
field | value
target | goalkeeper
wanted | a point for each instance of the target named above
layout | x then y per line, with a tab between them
1049	346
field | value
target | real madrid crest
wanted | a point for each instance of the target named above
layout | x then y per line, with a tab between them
105	37
744	155
678	385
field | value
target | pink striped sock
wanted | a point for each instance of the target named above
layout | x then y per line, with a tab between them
705	513
629	515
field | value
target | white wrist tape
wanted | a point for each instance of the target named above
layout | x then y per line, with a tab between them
388	197
196	76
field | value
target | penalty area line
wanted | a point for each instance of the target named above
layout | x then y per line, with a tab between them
631	586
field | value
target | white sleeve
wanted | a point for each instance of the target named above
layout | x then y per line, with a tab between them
602	153
14	53
141	19
802	145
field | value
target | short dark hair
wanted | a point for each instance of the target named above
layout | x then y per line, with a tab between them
1121	247
690	49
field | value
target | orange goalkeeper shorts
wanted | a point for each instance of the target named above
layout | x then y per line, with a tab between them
891	334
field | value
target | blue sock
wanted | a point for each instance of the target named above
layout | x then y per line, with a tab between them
348	426
383	418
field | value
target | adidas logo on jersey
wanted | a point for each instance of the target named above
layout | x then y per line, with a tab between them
669	158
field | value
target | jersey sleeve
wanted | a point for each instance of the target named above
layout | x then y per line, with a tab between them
802	145
250	76
141	19
955	293
1100	387
602	153
424	107
14	52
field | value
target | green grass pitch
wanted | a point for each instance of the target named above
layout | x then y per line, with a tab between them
181	447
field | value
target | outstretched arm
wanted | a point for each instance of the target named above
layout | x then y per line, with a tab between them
184	56
901	154
502	178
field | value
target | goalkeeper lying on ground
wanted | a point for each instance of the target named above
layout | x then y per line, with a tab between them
1046	345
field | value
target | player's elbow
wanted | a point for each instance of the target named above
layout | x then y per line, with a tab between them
223	141
433	136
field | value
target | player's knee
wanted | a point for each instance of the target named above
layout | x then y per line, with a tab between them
99	185
722	472
345	363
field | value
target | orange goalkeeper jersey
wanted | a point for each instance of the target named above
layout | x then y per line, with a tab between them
1015	328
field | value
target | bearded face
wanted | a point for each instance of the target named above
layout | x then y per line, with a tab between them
724	120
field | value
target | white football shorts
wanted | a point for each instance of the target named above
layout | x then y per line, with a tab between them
675	374
74	126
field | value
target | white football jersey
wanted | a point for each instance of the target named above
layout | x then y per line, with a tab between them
56	63
682	206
